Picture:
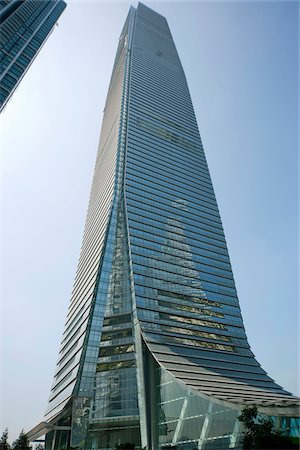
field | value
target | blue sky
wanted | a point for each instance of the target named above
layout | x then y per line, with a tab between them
241	62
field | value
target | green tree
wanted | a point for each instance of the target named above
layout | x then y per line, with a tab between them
4	445
260	432
22	443
39	447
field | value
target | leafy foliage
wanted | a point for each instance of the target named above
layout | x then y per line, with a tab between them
260	432
4	445
40	447
22	443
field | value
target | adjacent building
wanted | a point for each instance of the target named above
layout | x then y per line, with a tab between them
154	351
24	27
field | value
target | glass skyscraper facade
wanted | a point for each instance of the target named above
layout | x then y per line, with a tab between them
24	27
154	351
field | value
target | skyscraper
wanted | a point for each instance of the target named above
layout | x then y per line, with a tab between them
154	350
24	27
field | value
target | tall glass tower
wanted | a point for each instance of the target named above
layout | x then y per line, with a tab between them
24	27
154	351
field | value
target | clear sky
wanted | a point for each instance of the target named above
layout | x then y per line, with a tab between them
241	62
